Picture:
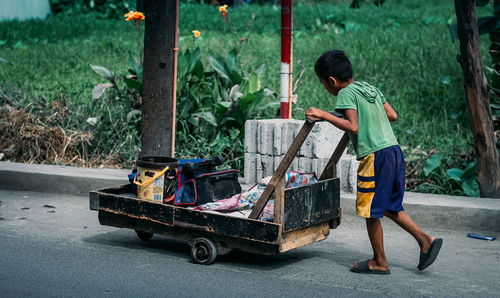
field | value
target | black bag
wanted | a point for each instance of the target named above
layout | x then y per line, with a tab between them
211	187
198	182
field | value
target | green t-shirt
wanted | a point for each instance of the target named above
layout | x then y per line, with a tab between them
374	129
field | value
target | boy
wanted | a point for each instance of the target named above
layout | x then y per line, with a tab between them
381	172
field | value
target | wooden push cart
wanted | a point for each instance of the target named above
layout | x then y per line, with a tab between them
302	215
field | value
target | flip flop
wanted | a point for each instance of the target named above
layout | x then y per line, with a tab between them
365	269
426	259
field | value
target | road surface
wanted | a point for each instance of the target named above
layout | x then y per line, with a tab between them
51	245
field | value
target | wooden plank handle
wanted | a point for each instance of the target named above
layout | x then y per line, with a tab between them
282	168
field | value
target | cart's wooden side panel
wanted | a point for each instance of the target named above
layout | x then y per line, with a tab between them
311	204
134	208
226	225
120	208
305	236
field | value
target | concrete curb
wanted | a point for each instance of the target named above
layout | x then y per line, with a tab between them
429	210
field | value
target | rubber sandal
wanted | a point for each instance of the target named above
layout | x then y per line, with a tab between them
426	259
365	269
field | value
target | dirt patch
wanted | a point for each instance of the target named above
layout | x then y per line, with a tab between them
26	138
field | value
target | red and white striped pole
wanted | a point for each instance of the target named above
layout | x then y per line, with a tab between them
286	58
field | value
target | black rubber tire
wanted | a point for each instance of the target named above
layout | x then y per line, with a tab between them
144	236
203	251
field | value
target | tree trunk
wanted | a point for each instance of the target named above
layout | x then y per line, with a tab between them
159	80
139	5
476	90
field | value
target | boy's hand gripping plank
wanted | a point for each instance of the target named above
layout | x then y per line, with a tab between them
287	160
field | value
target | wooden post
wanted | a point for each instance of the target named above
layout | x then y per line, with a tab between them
476	90
160	64
139	5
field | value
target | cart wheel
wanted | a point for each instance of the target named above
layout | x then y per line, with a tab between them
144	236
204	251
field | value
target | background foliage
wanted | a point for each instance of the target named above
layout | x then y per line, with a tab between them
402	47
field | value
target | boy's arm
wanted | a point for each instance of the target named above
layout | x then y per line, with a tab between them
389	111
349	125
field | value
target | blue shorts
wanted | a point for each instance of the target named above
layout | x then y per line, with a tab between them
381	183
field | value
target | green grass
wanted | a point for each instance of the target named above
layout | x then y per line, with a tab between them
403	47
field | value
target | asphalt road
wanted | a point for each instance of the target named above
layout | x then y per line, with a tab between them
64	252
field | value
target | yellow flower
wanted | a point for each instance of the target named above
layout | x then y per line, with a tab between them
223	8
196	33
129	16
134	16
223	11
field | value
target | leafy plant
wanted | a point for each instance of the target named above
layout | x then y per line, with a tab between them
466	178
214	101
441	177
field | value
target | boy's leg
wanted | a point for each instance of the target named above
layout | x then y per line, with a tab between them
404	220
376	234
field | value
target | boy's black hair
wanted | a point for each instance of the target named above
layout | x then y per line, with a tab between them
334	63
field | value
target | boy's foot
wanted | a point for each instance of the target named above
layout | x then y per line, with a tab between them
424	246
428	257
369	267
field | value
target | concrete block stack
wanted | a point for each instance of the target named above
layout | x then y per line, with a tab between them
267	141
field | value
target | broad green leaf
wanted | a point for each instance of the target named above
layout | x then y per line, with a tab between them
432	163
4	60
249	101
194	59
236	77
471	187
233	133
234	93
232	61
446	80
133	64
133	113
104	72
207	116
253	83
455	174
261	70
99	90
470	170
218	65
224	104
131	83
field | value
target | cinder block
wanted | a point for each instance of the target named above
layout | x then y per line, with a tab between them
353	175
305	164
307	146
258	168
250	167
325	138
343	172
277	141
295	165
314	167
277	161
289	130
251	136
267	165
265	138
